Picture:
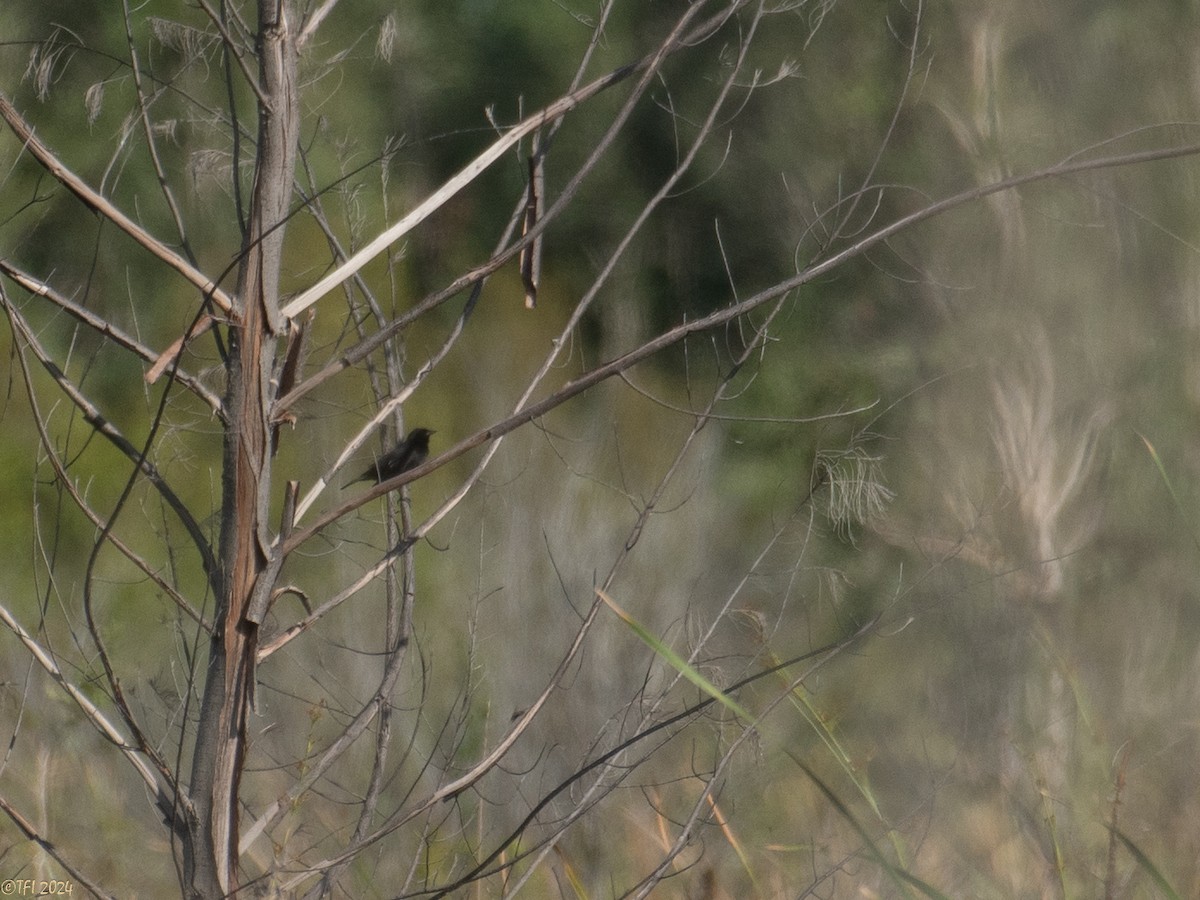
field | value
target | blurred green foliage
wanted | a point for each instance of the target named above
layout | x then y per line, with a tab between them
1062	319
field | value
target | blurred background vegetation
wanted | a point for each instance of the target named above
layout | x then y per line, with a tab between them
975	400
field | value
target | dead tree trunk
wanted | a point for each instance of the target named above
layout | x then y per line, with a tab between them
245	549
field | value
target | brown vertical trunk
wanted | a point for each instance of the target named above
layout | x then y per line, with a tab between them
245	539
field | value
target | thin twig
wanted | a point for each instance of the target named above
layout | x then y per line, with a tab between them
113	435
723	316
101	205
232	45
482	162
31	833
143	106
107	329
93	713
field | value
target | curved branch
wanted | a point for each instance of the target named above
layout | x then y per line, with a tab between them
165	800
105	428
822	655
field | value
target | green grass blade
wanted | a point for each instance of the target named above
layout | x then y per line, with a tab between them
898	875
1144	861
676	661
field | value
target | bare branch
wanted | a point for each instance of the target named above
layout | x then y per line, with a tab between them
148	131
94	714
234	48
31	833
99	204
722	317
104	427
483	161
455	184
313	22
107	329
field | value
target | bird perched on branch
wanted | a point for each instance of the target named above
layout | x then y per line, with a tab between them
408	454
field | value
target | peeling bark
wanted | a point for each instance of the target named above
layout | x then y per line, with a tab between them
245	537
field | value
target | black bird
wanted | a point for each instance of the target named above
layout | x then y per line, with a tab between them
408	454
